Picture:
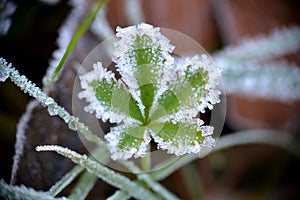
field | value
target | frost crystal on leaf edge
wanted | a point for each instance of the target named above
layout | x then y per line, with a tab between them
188	68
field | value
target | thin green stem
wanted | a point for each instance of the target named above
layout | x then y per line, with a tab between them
65	181
247	137
83	187
146	160
192	181
147	179
81	30
111	177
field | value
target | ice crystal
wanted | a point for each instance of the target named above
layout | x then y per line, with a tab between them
250	70
24	193
101	26
106	174
21	139
157	97
53	108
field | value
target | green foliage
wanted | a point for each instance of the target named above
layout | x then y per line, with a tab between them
158	96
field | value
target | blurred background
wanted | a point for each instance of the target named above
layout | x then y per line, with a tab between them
247	172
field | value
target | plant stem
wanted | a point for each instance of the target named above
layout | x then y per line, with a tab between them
192	181
261	136
83	187
65	181
111	177
81	30
146	160
146	178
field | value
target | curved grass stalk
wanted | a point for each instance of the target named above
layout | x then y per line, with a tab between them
250	65
65	180
155	186
278	42
83	187
135	190
260	136
247	137
53	108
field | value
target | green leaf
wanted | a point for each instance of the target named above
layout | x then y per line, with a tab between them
83	187
124	142
147	97
135	111
104	91
65	180
131	138
116	100
189	88
47	81
168	104
178	138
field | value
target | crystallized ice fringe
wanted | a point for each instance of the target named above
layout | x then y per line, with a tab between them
157	97
25	193
106	174
278	81
6	70
21	139
134	11
279	42
101	26
102	109
248	68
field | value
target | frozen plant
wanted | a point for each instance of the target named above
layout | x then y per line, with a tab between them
251	65
158	96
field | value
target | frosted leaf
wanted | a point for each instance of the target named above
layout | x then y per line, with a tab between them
191	90
182	138
157	97
104	92
141	55
125	142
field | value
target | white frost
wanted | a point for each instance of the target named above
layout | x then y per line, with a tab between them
21	138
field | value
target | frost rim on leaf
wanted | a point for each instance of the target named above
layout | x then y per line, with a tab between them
170	74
